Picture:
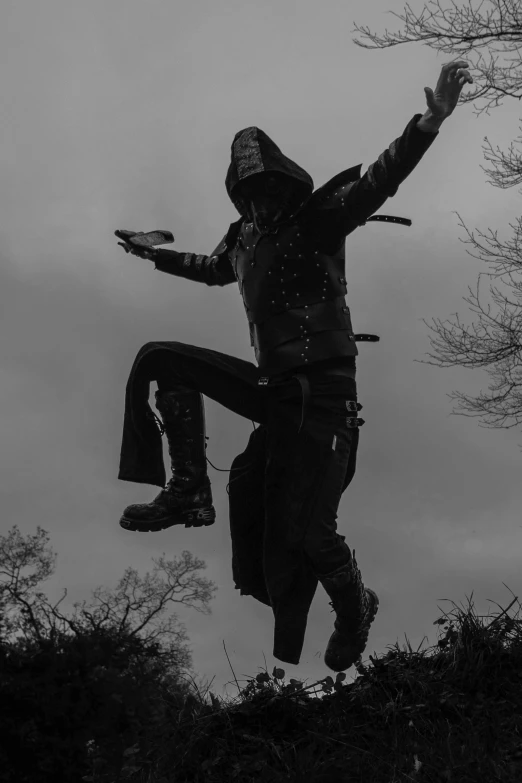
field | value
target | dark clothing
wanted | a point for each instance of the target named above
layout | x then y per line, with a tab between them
283	505
292	277
284	489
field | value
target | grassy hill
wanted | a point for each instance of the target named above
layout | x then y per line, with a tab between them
450	713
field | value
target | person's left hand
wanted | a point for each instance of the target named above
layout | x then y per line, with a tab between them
452	79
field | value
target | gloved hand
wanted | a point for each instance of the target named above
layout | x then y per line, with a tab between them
141	252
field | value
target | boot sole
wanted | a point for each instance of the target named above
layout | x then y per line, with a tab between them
199	517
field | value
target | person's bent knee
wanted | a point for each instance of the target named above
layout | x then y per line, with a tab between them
149	361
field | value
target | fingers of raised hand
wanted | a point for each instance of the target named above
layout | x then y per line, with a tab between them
457	71
462	76
454	65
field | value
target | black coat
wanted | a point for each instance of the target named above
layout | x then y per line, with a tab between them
292	277
329	215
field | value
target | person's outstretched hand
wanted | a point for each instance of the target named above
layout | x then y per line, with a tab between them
136	250
452	79
141	252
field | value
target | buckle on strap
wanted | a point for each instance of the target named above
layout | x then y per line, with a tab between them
351	405
352	423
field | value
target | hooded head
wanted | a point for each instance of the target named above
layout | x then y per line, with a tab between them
263	184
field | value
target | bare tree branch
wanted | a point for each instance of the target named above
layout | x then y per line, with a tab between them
494	343
131	609
459	32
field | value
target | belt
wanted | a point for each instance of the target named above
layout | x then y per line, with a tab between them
351	405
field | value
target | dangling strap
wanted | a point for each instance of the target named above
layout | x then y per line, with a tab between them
352	406
305	390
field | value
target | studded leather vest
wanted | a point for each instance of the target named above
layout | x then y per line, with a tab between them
292	277
294	297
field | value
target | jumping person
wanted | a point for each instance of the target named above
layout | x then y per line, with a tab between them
287	254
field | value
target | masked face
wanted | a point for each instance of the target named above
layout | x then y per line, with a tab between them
268	196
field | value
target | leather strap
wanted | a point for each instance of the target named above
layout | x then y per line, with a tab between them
305	389
351	405
389	219
370	338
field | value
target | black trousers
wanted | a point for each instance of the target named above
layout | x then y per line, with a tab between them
298	477
285	487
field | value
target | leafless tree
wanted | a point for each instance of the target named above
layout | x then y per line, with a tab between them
132	607
495	344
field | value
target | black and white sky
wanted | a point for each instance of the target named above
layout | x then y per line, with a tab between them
121	115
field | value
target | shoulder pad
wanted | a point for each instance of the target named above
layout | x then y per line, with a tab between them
348	175
229	240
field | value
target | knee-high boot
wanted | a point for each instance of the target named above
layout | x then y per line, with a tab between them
355	606
187	497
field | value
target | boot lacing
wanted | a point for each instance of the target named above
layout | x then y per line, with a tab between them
357	586
246	468
162	427
168	486
159	423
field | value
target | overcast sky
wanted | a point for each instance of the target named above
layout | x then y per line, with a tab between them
121	115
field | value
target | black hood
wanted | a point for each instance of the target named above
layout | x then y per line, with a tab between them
253	152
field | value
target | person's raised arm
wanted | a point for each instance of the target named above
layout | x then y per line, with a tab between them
352	203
